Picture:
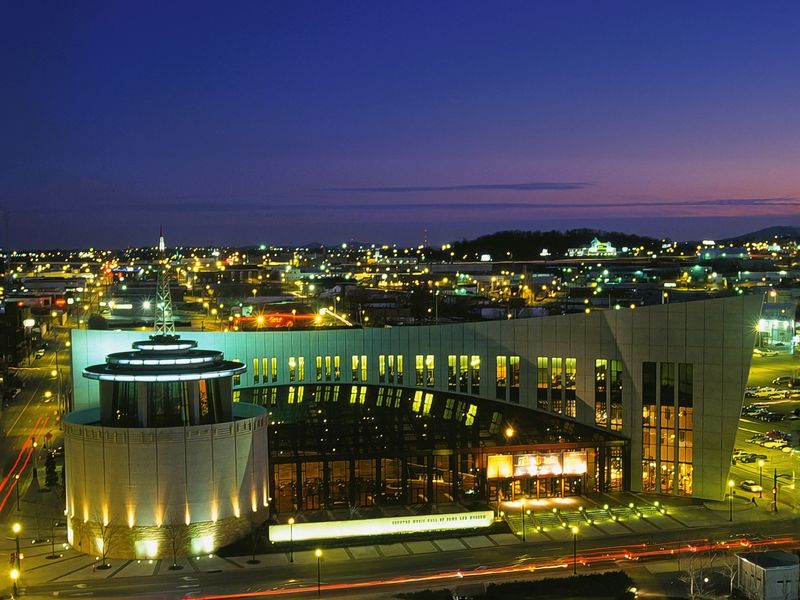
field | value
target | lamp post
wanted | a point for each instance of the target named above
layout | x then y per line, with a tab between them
522	503
730	498
760	477
291	539
14	577
16	487
28	325
510	433
16	528
318	554
574	530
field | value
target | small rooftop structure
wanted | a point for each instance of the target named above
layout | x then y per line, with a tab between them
768	575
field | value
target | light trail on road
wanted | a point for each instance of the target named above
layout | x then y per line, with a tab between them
597	555
27	445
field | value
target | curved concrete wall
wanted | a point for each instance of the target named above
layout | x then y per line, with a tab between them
140	488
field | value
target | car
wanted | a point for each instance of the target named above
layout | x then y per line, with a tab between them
750	485
14	393
783	380
39	353
747	458
787	449
769	353
776	444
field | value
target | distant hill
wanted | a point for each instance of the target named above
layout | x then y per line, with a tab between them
777	231
527	245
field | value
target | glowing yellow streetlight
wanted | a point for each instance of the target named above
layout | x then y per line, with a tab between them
14	576
291	539
318	554
730	497
574	531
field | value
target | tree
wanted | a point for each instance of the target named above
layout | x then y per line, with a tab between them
50	475
177	535
109	533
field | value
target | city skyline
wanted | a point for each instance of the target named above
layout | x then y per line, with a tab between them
310	123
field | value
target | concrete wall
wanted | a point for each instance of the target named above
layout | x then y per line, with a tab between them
715	336
208	482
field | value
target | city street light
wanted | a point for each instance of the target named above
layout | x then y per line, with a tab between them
14	577
574	530
760	477
291	539
16	487
16	528
318	554
730	498
522	503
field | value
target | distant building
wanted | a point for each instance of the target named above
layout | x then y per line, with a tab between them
728	253
596	248
768	575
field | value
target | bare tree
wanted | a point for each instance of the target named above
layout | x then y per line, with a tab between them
109	533
696	576
177	535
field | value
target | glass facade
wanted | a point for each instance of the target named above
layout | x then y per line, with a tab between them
601	392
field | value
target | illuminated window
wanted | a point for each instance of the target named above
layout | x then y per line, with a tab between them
265	370
337	368
237	379
452	377
649	428
301	368
615	395
419	363
685	427
318	365
292	368
327	368
426	408
471	412
363	367
399	368
514	391
390	365
600	392
542	380
381	368
429	370
354	364
501	377
475	368
556	384
448	408
463	373
255	370
570	382
416	405
274	369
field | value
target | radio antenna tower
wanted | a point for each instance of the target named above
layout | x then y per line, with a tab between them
164	325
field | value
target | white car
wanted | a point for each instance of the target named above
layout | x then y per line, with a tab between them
750	485
776	444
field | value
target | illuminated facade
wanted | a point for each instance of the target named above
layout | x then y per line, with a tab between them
647	399
166	464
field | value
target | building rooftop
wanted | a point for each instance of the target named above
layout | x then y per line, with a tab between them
771	559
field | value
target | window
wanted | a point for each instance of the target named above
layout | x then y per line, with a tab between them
448	408
381	368
265	370
430	370
391	368
556	385
301	368
570	382
649	428
399	368
327	368
615	396
274	369
318	365
501	378
255	370
463	373
475	366
292	368
419	364
471	412
667	425
337	368
237	379
685	427
514	391
542	379
452	377
600	393
354	364
363	367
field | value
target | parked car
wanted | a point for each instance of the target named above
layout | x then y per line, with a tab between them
39	353
750	485
783	380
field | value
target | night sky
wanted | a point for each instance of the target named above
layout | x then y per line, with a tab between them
394	122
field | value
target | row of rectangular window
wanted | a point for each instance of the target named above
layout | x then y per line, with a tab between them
464	373
556	381
608	393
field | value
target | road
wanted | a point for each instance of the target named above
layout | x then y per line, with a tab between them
376	576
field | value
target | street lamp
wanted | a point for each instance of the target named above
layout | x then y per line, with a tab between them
574	530
318	554
760	477
291	540
28	325
730	498
16	487
16	528
522	504
14	577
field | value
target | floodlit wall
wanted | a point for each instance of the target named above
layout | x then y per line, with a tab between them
715	336
138	491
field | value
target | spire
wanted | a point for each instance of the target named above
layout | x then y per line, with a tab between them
164	325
